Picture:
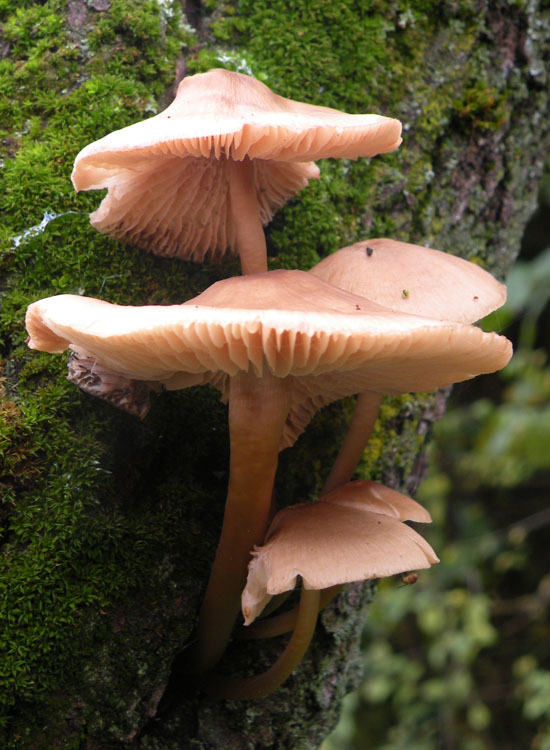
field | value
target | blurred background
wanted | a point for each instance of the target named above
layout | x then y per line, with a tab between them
461	659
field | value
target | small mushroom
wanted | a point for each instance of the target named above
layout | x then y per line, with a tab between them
347	535
353	533
277	344
200	178
438	285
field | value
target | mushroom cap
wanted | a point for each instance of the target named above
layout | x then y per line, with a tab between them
414	279
330	543
364	494
330	343
221	112
167	178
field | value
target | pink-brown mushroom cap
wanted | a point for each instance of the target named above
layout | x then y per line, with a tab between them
333	541
404	278
167	178
365	494
414	279
328	342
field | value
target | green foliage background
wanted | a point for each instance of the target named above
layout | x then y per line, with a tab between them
462	658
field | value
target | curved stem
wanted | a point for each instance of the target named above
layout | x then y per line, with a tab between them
246	215
257	411
284	622
261	685
360	430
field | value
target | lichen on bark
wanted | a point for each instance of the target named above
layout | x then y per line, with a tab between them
108	523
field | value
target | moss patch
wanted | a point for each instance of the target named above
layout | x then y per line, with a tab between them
95	504
72	541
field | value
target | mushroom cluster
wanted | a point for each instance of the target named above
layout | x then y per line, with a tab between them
197	181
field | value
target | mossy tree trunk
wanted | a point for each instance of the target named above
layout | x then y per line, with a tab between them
108	523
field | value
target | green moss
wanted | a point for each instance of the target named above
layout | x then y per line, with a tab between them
481	107
17	452
396	440
95	503
70	545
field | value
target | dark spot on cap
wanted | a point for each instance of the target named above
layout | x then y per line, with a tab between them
369	251
476	297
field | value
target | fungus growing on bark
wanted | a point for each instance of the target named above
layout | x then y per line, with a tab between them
275	344
334	541
439	285
200	178
353	533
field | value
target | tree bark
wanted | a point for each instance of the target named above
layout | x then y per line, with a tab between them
109	523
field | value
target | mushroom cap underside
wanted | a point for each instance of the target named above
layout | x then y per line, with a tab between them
176	206
286	321
414	279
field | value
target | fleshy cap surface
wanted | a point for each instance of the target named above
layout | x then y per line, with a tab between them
328	342
167	176
414	279
335	542
221	112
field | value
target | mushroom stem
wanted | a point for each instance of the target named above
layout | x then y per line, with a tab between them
257	412
285	621
362	423
246	214
261	685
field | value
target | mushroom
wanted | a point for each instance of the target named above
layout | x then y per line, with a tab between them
437	285
276	344
353	533
334	541
200	178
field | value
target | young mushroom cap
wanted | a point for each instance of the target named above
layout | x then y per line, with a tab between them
414	279
174	180
333	541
